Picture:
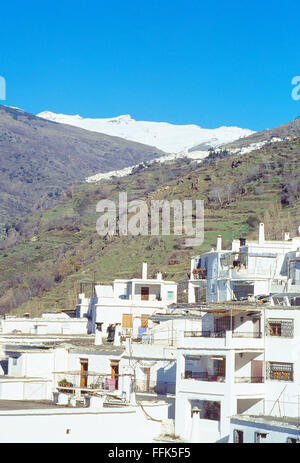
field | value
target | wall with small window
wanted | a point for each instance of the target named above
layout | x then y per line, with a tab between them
252	431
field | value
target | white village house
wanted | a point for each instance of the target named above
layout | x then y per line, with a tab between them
128	303
249	268
47	324
244	361
61	385
221	371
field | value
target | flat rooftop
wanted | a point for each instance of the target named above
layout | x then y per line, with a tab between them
229	305
26	405
277	421
70	345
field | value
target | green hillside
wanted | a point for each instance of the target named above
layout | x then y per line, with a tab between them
47	254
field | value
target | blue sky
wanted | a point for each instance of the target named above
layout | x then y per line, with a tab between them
182	61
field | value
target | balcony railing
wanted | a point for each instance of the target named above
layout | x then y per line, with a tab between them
200	273
86	381
222	334
249	379
160	387
246	334
203	376
109	384
205	334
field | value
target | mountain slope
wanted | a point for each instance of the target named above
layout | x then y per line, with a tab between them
167	137
258	139
45	257
39	157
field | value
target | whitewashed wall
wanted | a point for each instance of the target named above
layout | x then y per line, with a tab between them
84	425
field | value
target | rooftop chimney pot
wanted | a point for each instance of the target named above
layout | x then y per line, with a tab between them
261	234
144	271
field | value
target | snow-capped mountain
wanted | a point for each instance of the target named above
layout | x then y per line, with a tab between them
169	138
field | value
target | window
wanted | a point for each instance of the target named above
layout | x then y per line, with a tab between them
145	293
170	295
260	436
283	328
275	329
238	436
280	371
14	361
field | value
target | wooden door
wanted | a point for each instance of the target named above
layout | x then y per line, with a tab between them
114	365
145	293
220	367
144	321
126	320
84	365
256	371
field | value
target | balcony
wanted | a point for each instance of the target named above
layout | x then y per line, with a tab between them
205	334
223	339
210	384
249	379
246	334
249	387
155	387
83	382
237	273
203	376
200	274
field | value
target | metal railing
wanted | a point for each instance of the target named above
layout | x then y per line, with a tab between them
249	379
221	334
160	387
205	334
204	376
246	334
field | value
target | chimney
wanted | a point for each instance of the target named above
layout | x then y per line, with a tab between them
219	243
117	339
286	236
98	338
159	276
196	430
98	334
261	234
144	271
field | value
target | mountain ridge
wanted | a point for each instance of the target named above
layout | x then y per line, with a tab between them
281	132
170	138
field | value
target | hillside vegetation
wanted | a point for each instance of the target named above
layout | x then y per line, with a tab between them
39	158
46	254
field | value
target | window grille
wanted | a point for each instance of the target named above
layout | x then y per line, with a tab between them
280	371
280	327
